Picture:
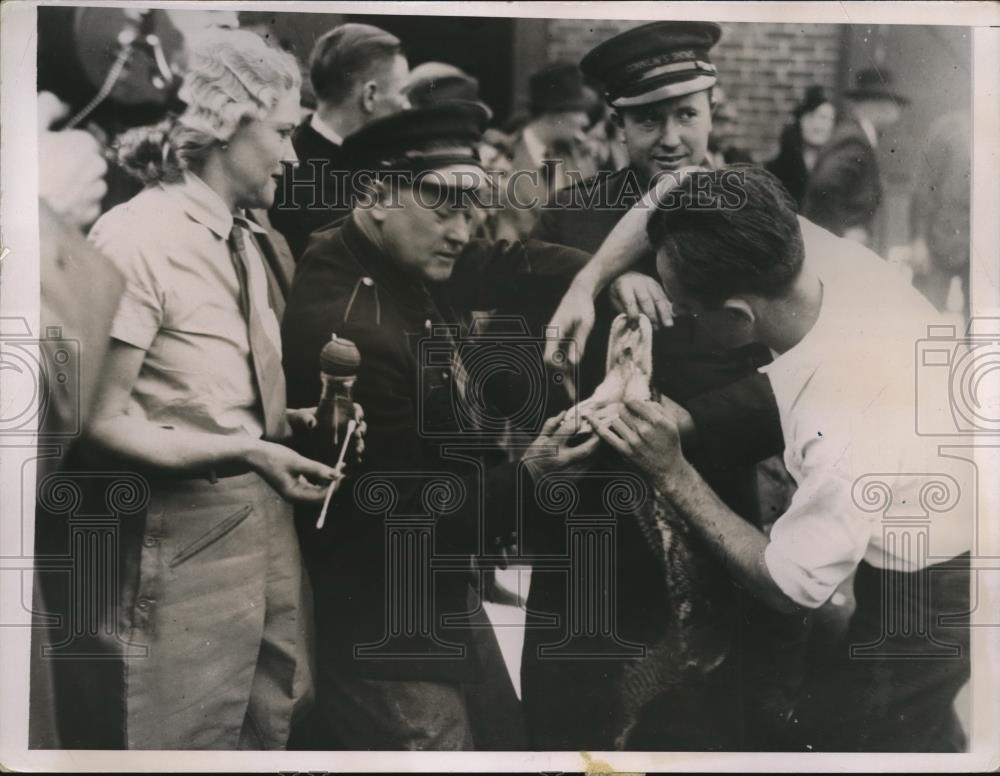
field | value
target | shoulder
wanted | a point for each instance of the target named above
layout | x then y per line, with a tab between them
136	230
332	288
327	265
311	146
870	281
122	218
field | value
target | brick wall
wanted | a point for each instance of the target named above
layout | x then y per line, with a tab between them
765	68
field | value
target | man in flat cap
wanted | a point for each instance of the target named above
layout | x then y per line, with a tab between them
659	81
431	83
397	646
844	190
551	146
358	74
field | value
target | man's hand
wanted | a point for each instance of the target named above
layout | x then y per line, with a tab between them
667	181
623	247
571	325
71	166
359	432
550	451
295	477
647	435
635	293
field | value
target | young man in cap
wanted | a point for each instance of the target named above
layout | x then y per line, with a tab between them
358	74
391	574
844	190
658	79
873	496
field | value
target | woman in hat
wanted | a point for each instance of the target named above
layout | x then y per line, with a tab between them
844	190
212	591
801	141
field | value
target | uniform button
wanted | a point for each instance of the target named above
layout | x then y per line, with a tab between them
143	603
151	541
445	374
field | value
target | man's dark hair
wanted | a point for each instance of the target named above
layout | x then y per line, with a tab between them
729	232
348	54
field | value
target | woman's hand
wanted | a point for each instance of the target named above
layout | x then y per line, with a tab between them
302	421
295	477
635	293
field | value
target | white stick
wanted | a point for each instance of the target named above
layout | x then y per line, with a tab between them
351	426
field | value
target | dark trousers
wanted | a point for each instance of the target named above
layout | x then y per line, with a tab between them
356	713
891	684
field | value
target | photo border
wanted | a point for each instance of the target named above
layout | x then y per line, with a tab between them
19	298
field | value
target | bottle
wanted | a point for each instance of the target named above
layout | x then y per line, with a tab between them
338	368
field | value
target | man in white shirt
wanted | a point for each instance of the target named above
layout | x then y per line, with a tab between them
871	496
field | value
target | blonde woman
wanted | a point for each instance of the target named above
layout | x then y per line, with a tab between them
212	583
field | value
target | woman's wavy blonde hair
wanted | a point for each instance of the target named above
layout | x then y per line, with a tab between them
233	77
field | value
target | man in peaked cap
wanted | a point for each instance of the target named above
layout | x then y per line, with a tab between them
399	277
659	79
844	191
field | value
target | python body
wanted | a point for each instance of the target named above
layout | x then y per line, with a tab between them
695	635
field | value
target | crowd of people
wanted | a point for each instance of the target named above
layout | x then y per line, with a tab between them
293	593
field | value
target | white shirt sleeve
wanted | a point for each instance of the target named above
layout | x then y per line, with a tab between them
141	309
821	538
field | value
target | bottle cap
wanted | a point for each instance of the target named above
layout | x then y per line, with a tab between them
339	358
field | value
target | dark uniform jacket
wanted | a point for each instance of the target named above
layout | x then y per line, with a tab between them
315	193
844	188
570	702
423	464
